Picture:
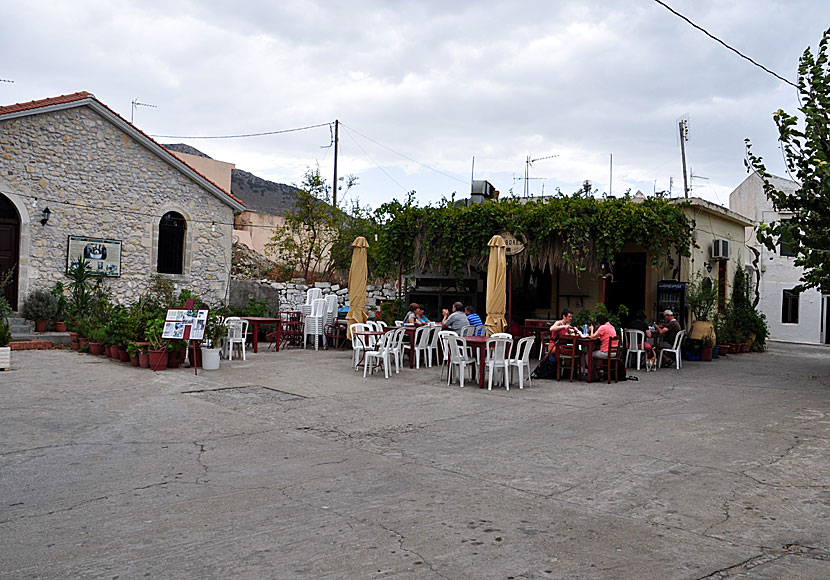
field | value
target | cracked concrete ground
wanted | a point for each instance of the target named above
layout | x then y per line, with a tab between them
290	465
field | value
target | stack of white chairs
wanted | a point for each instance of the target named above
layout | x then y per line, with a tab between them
313	324
237	331
521	359
331	309
497	354
311	295
459	357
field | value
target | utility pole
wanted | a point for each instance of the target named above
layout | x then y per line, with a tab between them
683	126
336	140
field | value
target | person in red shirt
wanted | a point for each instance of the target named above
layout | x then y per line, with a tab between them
560	328
605	332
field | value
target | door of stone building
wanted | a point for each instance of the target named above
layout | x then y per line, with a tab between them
9	243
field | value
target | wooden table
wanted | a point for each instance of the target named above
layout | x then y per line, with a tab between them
255	321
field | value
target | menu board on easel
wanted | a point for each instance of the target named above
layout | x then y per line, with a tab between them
184	324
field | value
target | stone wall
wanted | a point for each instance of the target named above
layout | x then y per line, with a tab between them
99	182
292	294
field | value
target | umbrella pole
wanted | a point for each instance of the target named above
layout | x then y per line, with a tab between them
509	292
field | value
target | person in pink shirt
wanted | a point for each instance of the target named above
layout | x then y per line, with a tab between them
605	332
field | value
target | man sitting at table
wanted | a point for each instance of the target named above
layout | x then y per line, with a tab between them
472	317
455	321
605	332
560	328
667	332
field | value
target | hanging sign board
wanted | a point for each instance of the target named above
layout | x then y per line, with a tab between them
103	256
512	245
185	324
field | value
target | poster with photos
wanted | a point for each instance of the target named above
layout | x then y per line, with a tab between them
103	256
179	319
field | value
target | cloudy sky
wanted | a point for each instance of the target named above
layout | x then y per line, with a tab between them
421	88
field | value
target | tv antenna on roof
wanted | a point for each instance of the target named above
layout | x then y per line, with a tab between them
137	104
528	163
5	81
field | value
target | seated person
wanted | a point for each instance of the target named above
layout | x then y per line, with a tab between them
639	323
420	316
455	320
411	317
668	331
472	317
561	328
605	332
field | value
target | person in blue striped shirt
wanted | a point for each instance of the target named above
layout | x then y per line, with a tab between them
474	318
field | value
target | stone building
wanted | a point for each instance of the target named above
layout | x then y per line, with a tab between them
77	178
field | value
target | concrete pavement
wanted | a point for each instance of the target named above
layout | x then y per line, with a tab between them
290	465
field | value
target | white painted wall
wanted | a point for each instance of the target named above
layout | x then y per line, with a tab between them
778	273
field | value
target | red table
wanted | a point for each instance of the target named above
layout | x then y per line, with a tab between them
255	321
366	335
479	342
590	344
410	332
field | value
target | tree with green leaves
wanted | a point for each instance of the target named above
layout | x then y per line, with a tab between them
311	229
806	146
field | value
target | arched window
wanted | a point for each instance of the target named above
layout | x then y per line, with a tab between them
172	227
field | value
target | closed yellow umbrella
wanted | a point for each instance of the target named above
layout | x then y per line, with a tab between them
496	294
358	272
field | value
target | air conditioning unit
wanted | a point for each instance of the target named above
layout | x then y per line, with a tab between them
720	249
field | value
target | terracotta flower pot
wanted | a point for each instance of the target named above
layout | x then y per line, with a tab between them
75	345
123	355
723	349
60	326
115	352
40	325
706	354
144	360
96	348
73	336
108	351
174	359
133	359
158	359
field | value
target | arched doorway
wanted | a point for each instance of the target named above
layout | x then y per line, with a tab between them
9	249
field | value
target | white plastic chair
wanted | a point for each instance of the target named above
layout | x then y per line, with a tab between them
311	295
359	343
399	323
458	357
497	353
633	341
522	359
678	341
384	353
422	344
398	346
468	330
313	324
237	331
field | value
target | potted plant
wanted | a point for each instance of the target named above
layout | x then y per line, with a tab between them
133	350
706	350
5	335
701	297
40	306
96	340
63	306
214	331
158	345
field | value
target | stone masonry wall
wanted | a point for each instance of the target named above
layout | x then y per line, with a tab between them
99	182
292	294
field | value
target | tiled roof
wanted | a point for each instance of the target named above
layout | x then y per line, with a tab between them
46	102
83	95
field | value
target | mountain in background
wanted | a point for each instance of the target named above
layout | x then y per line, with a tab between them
259	195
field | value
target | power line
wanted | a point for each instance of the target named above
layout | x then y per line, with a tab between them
372	159
405	156
243	135
718	40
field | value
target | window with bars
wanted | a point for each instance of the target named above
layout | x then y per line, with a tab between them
172	227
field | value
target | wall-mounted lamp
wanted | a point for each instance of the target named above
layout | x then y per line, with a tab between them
708	267
45	216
